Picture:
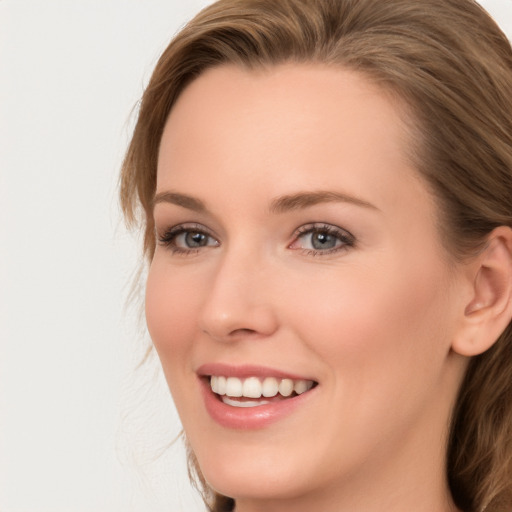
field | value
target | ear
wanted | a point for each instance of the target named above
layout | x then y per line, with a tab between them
489	311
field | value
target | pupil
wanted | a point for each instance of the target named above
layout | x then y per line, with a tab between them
323	241
195	239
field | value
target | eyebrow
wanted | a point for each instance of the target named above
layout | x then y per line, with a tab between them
302	200
282	204
188	202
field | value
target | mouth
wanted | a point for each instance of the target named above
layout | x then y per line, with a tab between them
256	391
251	397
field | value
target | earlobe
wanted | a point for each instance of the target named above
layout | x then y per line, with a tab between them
489	311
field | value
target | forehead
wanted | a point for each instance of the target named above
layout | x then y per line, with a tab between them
307	95
306	123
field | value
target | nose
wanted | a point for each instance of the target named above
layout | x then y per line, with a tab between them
239	303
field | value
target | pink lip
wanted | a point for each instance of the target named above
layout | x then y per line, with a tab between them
247	418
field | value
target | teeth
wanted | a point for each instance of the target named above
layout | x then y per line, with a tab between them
270	387
221	385
238	403
253	387
234	387
301	386
214	383
286	387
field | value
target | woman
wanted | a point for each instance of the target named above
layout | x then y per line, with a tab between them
326	193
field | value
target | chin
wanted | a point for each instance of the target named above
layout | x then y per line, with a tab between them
256	485
251	472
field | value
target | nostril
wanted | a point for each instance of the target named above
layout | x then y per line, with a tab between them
237	320
243	332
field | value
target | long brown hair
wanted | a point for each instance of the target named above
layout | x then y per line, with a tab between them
452	66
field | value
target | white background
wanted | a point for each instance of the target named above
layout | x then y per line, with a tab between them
79	426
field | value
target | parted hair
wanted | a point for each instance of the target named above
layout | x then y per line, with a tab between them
451	65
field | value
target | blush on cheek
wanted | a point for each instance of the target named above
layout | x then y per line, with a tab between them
162	310
172	308
155	307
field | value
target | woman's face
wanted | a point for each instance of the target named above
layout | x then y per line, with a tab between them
298	248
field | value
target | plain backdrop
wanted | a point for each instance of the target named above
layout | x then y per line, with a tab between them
81	429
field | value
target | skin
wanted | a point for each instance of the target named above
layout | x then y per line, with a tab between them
373	323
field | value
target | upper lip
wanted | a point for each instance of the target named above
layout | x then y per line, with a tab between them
245	371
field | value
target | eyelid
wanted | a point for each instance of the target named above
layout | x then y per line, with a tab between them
169	235
348	239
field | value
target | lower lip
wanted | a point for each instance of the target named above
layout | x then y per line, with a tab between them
246	418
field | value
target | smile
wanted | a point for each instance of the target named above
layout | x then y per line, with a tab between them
248	392
252	397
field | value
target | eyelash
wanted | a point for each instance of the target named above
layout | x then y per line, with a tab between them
347	239
168	239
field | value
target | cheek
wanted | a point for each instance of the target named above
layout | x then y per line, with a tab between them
171	313
382	338
376	325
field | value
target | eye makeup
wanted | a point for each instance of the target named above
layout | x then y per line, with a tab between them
314	239
320	239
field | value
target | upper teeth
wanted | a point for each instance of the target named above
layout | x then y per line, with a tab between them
253	387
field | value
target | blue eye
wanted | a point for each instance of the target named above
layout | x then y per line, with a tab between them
191	239
187	239
321	239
